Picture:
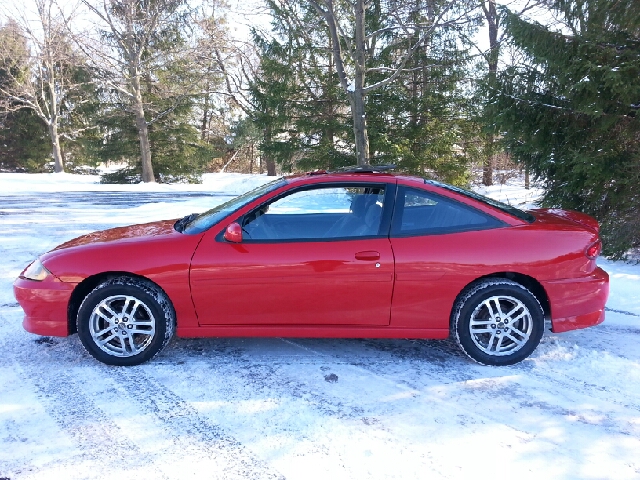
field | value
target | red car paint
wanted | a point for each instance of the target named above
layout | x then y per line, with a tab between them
383	287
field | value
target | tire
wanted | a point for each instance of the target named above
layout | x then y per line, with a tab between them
125	321
497	322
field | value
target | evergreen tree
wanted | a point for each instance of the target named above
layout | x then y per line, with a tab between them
153	76
147	49
422	121
570	111
297	99
24	142
179	154
417	121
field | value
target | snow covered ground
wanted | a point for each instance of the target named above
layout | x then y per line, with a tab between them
298	408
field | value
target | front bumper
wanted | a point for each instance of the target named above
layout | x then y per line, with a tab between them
578	302
45	305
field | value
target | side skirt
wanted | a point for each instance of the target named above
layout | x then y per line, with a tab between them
310	331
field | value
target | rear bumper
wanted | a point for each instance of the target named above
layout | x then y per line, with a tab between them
578	302
45	305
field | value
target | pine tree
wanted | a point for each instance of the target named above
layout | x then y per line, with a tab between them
297	99
178	151
417	121
148	45
24	140
153	74
421	122
570	111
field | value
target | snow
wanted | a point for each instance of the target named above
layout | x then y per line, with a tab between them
298	408
228	183
512	193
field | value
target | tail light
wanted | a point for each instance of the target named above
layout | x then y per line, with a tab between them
593	250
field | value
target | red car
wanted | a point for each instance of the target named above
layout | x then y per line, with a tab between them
360	253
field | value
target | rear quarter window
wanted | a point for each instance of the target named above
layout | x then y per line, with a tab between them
419	212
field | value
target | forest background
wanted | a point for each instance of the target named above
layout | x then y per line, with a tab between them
457	90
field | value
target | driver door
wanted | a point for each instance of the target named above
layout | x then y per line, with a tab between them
317	256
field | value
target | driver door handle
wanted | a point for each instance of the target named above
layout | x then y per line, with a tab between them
368	255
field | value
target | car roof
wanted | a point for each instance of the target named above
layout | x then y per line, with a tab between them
332	175
321	176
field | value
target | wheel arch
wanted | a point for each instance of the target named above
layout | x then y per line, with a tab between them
87	285
530	283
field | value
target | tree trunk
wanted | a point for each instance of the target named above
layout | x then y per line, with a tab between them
328	114
268	159
271	166
143	133
52	97
58	165
358	96
360	130
494	53
489	161
205	116
527	183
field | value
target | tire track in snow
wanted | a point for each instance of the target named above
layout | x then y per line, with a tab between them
96	436
623	312
513	397
260	377
188	431
422	351
74	413
97	417
265	375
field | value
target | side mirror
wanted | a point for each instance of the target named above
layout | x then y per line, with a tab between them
233	233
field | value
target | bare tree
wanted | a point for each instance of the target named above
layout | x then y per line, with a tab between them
238	65
355	44
38	64
138	43
215	52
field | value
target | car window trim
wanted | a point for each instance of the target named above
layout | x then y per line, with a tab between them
275	184
397	217
490	202
385	220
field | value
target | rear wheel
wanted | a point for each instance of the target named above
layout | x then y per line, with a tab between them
125	321
498	322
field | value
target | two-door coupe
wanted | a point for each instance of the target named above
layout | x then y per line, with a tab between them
360	253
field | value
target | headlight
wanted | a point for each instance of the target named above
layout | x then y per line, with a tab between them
35	271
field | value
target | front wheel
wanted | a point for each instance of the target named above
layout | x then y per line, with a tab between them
125	321
498	322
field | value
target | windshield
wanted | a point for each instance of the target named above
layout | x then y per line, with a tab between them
209	218
516	212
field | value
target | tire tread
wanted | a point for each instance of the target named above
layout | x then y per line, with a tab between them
150	289
472	290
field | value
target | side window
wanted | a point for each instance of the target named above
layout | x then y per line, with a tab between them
419	212
318	213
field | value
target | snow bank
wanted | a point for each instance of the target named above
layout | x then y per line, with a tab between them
25	183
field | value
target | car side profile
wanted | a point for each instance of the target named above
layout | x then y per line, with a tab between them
353	254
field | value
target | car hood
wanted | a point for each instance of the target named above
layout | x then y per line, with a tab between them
120	234
147	250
